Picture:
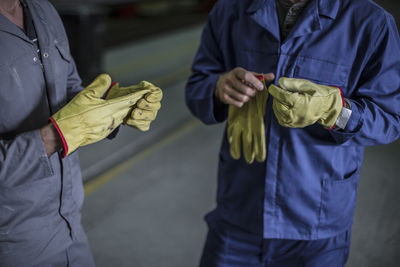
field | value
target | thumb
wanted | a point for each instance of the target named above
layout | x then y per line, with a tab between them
99	86
269	77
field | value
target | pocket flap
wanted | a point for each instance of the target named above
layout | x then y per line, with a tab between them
322	72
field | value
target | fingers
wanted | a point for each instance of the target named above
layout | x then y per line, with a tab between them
239	85
141	119
283	96
140	114
142	125
296	85
282	114
154	96
146	105
145	111
249	78
259	146
247	144
269	77
234	141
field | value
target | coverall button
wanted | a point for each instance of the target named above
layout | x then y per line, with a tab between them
45	55
35	59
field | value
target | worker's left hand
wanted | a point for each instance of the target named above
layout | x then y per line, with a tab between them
299	103
145	110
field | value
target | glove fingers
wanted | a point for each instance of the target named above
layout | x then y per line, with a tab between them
234	141
139	124
128	99
284	96
145	105
260	150
154	96
280	112
298	85
261	100
140	114
148	85
247	143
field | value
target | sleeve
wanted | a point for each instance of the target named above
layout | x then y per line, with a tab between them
74	82
375	117
207	66
22	158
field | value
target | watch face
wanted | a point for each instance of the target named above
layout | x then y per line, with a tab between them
343	118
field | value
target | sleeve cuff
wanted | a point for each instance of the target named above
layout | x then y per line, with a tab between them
354	122
352	127
65	145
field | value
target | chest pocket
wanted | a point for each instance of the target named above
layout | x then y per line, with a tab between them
61	61
322	72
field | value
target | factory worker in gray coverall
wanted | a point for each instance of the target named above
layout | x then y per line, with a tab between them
45	115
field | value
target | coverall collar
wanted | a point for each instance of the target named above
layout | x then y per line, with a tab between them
264	13
43	37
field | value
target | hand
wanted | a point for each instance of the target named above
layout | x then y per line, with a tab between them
299	103
145	111
88	118
246	128
238	86
51	140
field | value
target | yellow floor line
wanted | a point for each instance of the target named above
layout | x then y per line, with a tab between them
97	182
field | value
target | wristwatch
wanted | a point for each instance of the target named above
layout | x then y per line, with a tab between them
344	116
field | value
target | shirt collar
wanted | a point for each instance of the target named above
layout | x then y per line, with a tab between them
327	8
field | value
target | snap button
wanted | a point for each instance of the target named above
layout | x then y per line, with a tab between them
35	59
45	55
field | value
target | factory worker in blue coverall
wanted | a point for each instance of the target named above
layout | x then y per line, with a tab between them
45	115
304	86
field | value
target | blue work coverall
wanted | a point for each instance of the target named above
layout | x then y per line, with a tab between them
40	196
306	189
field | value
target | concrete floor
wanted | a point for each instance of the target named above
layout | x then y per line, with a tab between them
147	193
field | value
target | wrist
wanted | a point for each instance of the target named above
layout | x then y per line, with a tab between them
51	139
344	115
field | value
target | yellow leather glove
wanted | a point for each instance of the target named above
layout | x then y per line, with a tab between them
299	103
145	111
246	128
88	118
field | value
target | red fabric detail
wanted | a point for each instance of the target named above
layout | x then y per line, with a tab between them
108	90
341	95
343	103
333	127
65	145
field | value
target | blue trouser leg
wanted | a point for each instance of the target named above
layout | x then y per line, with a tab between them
233	248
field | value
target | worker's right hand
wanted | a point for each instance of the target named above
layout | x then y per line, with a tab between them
89	118
238	86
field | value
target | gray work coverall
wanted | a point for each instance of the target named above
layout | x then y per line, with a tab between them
40	197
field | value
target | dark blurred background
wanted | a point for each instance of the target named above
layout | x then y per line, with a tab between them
95	25
147	193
